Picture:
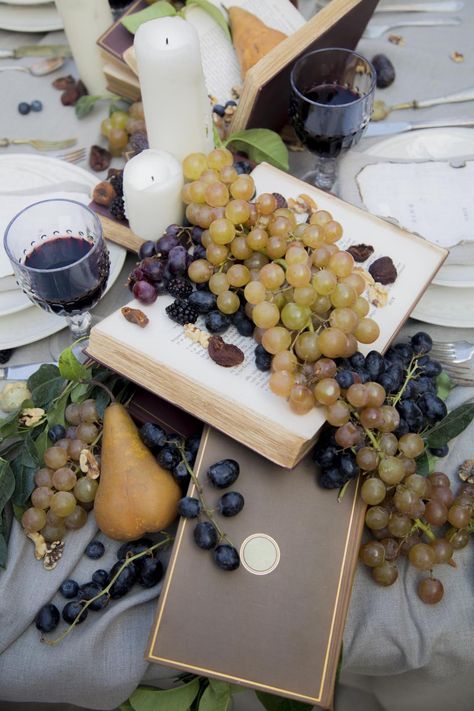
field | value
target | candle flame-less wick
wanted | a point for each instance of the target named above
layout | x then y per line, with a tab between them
167	40
153	178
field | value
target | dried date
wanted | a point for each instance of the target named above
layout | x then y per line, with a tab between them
383	270
225	354
99	158
135	316
62	83
360	252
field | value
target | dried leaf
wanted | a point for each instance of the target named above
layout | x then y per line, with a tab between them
40	544
396	39
457	57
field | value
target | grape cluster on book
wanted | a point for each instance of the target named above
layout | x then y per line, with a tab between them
247	260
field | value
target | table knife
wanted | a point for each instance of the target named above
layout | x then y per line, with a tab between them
387	128
37	50
20	372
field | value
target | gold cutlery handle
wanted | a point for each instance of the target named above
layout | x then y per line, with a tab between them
4	142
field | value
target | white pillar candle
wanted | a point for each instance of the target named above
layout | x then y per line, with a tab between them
152	183
175	101
84	22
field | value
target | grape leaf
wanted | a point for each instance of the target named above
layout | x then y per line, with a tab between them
216	697
260	144
24	468
450	426
85	104
158	9
277	703
3	551
215	13
45	385
178	699
7	483
70	368
444	385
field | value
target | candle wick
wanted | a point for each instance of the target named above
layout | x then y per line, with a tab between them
153	178
167	40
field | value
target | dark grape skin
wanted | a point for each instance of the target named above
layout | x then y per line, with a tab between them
56	433
95	550
151	572
439	451
231	503
169	457
177	262
72	610
147	249
47	618
332	478
203	301
125	580
152	435
205	535
217	322
69	589
189	507
223	473
421	342
344	378
144	292
100	577
165	243
226	557
153	269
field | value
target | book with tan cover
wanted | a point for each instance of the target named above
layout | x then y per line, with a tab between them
275	624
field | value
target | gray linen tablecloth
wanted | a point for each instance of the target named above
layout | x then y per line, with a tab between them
398	654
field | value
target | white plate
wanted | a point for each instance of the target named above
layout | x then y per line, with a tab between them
22	322
446	307
25	172
37	18
25	2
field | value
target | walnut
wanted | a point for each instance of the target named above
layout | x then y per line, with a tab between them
466	471
88	464
195	334
135	316
53	555
104	193
396	39
457	57
377	295
225	354
40	544
303	204
30	416
360	252
383	270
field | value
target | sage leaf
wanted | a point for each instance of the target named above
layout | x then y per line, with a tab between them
158	9
70	368
24	467
45	385
277	703
178	699
260	144
214	12
3	551
450	426
216	697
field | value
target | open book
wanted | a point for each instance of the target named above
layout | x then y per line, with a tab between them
238	400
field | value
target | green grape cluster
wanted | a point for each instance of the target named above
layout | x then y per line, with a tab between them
63	494
302	293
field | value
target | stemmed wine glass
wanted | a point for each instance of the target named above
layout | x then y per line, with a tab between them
60	259
332	94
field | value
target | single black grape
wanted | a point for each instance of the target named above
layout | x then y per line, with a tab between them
165	243
91	590
388	382
202	301
374	364
177	262
47	618
100	577
428	367
56	433
217	322
125	580
192	444
243	324
332	478
153	269
72	610
189	507
152	435
151	572
384	70
226	557
196	234
168	457
326	457
242	167
231	503
205	535
432	407
344	378
363	374
421	342
181	475
147	249
410	391
95	550
439	451
130	548
69	589
402	428
357	360
348	466
223	473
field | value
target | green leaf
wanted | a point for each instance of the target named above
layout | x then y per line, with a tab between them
18	511
80	392
451	426
444	385
178	699
3	551
45	385
24	468
10	446
215	13
126	706
70	368
277	703
85	104
216	697
41	444
260	144
423	464
119	104
158	9
7	483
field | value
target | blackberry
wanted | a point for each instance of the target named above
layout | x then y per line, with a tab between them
182	312
117	209
116	182
5	355
179	288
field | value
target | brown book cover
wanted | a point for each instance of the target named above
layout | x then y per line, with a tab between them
276	623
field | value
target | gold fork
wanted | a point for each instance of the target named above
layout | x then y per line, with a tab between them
39	144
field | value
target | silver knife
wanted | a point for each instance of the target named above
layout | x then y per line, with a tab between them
20	372
387	128
37	50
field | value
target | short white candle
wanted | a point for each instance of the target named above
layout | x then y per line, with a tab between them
175	101
152	183
84	22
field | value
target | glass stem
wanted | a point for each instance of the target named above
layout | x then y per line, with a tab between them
79	324
325	172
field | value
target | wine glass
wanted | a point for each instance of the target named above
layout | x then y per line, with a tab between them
60	259
332	94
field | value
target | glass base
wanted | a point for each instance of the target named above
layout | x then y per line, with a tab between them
80	324
324	175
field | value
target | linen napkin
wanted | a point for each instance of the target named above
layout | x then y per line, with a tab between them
12	202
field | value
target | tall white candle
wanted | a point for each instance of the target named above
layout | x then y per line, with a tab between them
175	101
152	183
84	22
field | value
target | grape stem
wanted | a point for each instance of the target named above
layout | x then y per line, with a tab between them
200	492
425	527
411	370
342	491
98	384
161	544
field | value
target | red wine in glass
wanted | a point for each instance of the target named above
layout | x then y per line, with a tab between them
331	104
67	291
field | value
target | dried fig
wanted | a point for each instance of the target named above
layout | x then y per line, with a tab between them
64	82
103	193
383	270
99	158
135	316
360	252
225	354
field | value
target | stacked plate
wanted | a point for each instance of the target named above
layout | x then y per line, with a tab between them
31	178
449	301
29	16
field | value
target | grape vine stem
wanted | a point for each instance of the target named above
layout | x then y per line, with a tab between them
411	370
161	544
425	527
